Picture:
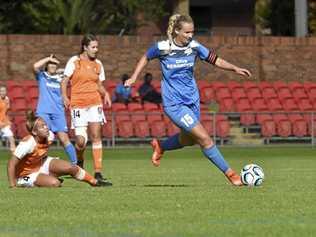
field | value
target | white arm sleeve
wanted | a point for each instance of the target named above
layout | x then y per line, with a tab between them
70	66
24	148
102	74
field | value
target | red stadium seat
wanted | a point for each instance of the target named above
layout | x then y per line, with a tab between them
16	92
261	118
269	93
274	104
243	105
238	93
284	128
150	107
133	107
220	117
21	130
259	104
158	129
294	85
27	84
119	107
202	84
299	128
107	130
232	85
312	95
278	85
299	94
138	116
33	103
289	105
308	86
19	104
204	108
264	85
254	93
208	125
279	117
248	85
172	129
218	85
154	116
125	129
222	93
222	129
226	105
247	119
142	129
207	95
295	117
268	129
284	93
121	116
206	117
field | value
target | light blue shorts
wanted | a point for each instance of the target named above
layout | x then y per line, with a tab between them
55	122
184	116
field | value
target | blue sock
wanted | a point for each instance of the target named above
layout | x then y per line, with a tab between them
215	156
71	153
172	143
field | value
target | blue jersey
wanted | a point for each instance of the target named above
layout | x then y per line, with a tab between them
177	64
50	99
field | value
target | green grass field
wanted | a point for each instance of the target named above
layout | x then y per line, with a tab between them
186	196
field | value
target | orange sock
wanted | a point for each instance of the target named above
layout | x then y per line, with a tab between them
97	156
85	176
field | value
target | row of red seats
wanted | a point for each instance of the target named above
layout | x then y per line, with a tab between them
264	96
283	125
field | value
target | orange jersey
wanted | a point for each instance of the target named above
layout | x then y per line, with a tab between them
31	155
84	75
4	120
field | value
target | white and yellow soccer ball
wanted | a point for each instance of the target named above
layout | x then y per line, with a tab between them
252	175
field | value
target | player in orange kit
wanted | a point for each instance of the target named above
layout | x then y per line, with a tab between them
86	74
31	166
5	124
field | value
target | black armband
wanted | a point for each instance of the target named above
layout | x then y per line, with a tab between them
212	57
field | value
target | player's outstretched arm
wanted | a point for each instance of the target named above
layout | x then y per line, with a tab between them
12	163
221	63
139	67
40	63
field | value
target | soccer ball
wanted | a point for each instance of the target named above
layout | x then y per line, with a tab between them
252	175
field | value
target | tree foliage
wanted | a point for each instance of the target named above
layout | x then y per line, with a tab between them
275	17
76	16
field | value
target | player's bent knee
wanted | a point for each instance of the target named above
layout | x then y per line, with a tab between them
81	136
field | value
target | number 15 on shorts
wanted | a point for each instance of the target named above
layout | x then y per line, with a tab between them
187	120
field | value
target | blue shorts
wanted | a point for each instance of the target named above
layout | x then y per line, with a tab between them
55	122
184	116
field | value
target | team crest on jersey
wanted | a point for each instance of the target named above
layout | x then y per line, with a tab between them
188	51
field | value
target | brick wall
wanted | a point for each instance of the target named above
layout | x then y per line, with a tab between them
269	58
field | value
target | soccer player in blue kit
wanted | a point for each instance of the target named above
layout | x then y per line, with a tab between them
180	94
50	106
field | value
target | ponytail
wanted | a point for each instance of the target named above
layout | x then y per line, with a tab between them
175	24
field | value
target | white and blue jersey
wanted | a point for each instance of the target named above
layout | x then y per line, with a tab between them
50	105
180	93
177	64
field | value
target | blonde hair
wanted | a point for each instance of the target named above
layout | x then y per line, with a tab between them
174	24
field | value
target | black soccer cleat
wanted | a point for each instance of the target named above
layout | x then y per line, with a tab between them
99	176
102	183
80	163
